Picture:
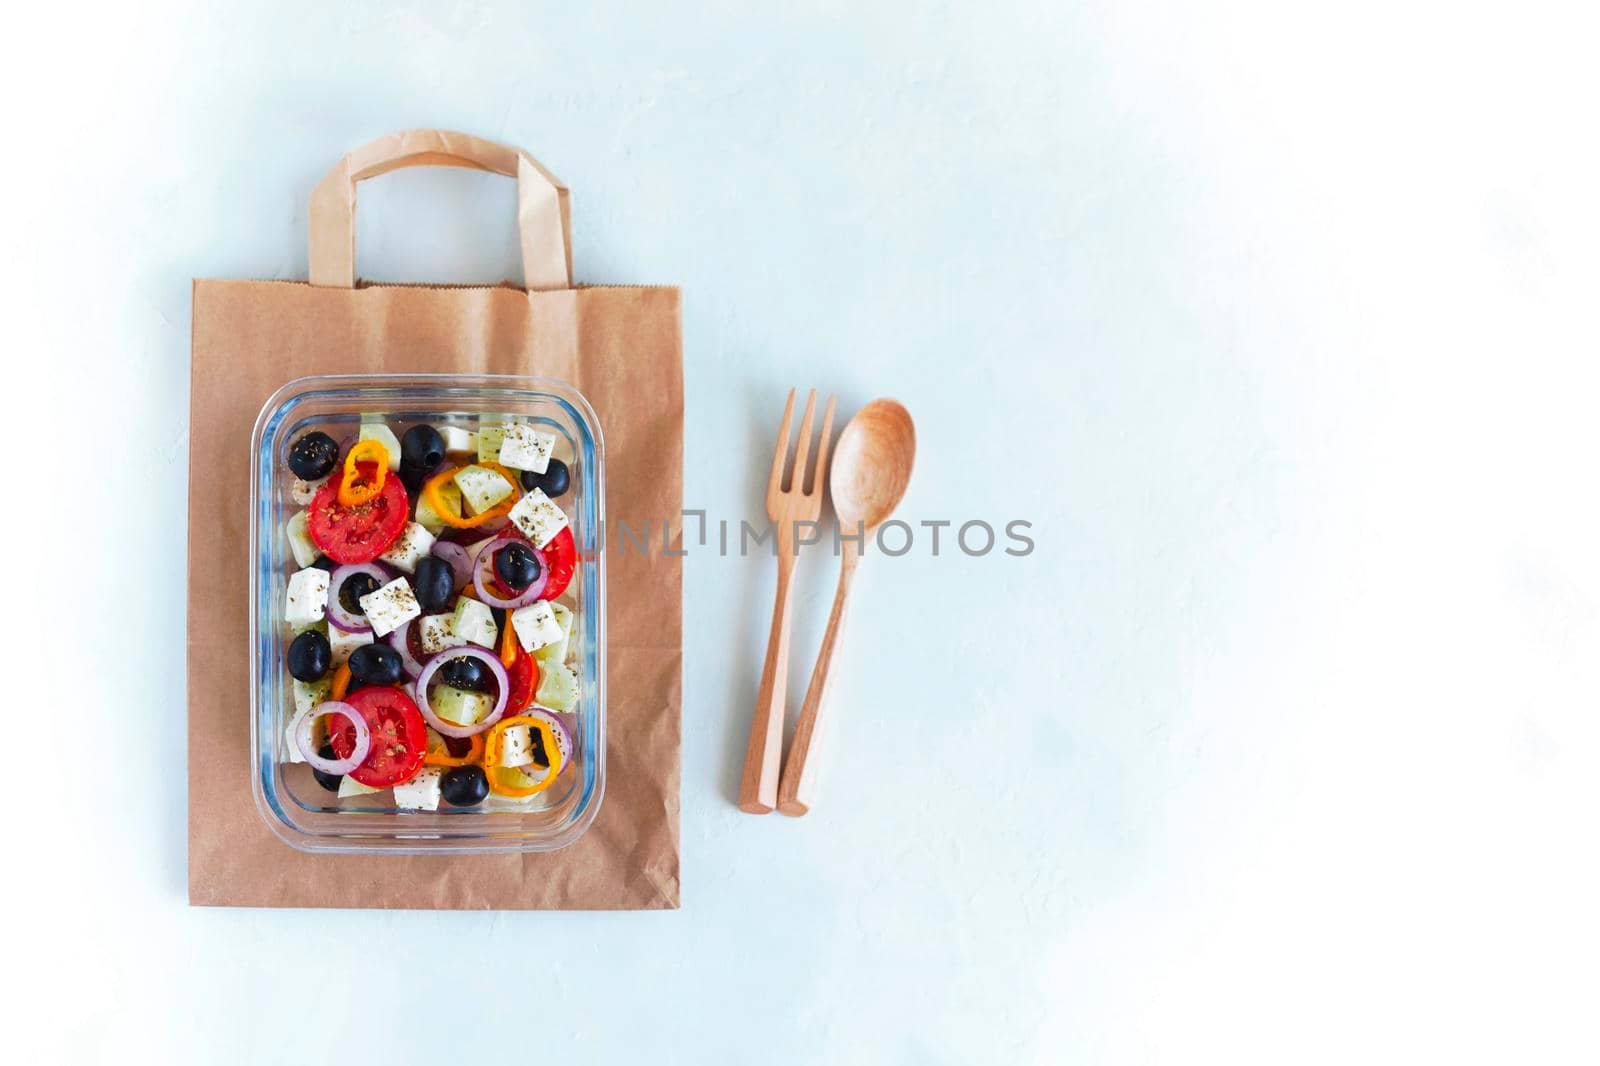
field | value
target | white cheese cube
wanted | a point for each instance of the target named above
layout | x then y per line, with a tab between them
458	441
385	436
538	517
474	622
536	626
408	548
344	643
390	606
516	746
300	544
290	747
490	434
526	448
436	634
303	492
307	601
349	786
481	488
421	793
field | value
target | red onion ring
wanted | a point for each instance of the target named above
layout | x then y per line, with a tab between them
460	562
397	640
558	728
469	651
485	562
301	728
337	615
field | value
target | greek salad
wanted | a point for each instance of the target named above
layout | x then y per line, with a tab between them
429	641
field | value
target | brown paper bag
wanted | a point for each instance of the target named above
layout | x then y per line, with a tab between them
621	347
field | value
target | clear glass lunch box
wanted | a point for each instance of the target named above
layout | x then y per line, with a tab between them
294	805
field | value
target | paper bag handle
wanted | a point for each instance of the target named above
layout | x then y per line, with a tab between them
542	210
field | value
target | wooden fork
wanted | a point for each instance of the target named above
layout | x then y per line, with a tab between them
800	501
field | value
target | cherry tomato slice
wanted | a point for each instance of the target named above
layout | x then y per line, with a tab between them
399	736
361	533
524	674
560	557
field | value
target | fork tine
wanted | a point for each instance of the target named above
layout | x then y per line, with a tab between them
798	478
814	484
781	452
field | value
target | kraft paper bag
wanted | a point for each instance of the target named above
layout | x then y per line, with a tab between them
622	348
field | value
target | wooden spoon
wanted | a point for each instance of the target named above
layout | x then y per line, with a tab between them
870	472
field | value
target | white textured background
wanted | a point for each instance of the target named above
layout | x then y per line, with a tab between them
1278	320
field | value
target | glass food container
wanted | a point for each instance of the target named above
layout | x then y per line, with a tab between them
294	805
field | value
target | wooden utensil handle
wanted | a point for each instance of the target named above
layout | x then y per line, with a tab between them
758	788
798	787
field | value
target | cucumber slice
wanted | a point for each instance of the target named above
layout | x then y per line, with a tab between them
458	706
557	652
300	545
491	434
558	687
349	786
474	622
427	517
383	435
481	487
311	693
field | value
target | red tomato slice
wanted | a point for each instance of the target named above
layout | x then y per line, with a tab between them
362	533
560	557
524	680
399	736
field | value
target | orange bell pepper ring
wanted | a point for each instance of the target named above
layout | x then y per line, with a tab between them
494	750
430	489
341	682
365	470
442	757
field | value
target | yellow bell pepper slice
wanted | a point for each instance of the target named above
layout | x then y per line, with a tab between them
494	748
358	485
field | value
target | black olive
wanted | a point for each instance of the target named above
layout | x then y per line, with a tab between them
434	583
310	655
325	563
326	780
462	672
421	448
356	586
499	616
554	481
312	456
412	478
464	786
516	565
376	664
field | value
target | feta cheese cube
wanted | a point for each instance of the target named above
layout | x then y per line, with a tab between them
490	434
421	793
538	517
516	746
391	606
481	488
557	652
526	448
536	626
474	622
300	544
303	492
349	786
408	548
344	643
307	601
436	634
457	441
289	746
383	435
